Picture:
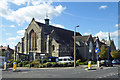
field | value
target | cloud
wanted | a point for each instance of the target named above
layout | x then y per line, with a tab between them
21	32
104	35
103	7
58	25
25	14
11	44
68	13
87	33
8	34
51	23
14	38
117	25
12	26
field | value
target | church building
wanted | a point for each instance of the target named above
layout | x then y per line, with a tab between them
52	41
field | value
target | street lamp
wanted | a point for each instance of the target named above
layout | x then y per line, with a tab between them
74	47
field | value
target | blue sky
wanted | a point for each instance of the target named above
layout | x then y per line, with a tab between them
96	18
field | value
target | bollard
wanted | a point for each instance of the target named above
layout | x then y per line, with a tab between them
98	64
14	66
89	64
5	65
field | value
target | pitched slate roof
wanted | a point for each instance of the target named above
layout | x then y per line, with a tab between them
94	38
5	47
82	38
61	35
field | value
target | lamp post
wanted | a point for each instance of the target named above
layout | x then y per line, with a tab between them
74	47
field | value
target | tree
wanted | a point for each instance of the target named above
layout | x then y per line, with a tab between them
115	54
103	52
2	53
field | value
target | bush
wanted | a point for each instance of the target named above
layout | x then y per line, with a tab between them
31	64
54	64
65	64
86	62
92	62
20	64
10	60
35	64
24	63
48	64
11	63
70	64
39	60
44	61
44	65
40	66
60	64
27	65
18	61
79	60
81	63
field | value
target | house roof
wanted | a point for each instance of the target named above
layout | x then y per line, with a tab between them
5	47
94	38
82	38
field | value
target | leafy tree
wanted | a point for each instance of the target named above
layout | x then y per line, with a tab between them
2	53
115	54
103	52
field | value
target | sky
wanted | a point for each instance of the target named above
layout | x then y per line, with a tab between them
96	18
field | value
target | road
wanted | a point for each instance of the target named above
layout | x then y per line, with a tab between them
106	72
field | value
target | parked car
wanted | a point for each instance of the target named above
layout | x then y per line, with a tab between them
66	59
52	59
116	61
106	63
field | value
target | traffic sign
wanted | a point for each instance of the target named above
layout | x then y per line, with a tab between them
96	50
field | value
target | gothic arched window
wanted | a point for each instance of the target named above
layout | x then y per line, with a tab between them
33	40
53	47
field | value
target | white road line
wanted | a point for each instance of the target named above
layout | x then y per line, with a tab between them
105	76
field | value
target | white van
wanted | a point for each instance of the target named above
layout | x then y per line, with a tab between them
66	59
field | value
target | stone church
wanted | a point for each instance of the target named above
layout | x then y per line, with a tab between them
52	41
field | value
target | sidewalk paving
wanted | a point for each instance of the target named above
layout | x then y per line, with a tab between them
80	66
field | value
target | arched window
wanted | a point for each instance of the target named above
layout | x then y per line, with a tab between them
33	40
18	48
53	47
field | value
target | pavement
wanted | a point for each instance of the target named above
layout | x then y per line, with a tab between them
62	72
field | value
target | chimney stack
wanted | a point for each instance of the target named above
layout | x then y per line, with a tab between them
47	22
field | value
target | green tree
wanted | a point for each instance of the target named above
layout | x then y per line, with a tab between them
115	54
2	53
103	52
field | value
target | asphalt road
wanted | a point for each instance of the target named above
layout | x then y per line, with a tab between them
106	72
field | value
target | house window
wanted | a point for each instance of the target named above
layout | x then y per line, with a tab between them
53	47
18	48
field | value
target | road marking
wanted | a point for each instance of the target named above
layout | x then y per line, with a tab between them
105	76
22	72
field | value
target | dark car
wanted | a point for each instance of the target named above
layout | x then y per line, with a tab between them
106	63
116	61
